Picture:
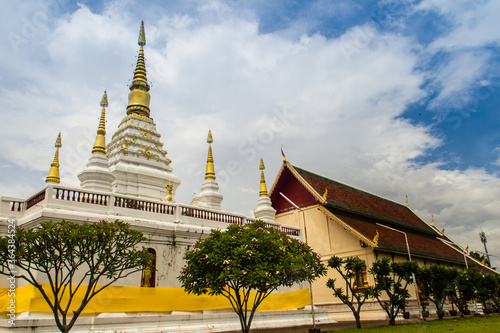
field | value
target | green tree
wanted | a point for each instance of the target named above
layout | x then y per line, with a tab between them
480	257
487	291
72	257
465	289
351	270
247	258
393	279
436	282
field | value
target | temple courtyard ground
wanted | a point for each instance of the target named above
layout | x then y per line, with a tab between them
469	324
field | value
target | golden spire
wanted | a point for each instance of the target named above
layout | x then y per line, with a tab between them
263	188
210	173
53	176
138	98
100	140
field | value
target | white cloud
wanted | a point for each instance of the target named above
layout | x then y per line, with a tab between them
475	23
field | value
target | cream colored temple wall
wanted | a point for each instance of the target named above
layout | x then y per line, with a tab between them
328	238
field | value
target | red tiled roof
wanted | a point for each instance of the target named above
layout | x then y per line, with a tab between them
350	199
421	244
361	211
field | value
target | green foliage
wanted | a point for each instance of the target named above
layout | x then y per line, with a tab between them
465	288
436	282
71	257
480	257
350	269
393	279
488	290
248	258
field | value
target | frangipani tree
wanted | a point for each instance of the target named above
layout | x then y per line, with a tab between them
436	282
245	264
73	258
465	288
392	279
350	270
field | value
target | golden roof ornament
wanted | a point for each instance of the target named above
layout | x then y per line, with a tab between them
138	98
282	153
375	239
210	171
169	188
263	187
53	176
325	195
100	140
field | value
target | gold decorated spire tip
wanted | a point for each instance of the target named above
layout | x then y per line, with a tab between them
139	98
53	176
263	187
282	153
104	100
142	35
100	140
58	141
210	173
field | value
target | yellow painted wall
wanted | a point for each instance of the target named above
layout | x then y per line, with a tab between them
137	299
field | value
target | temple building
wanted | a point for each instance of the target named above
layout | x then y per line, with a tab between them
131	179
341	220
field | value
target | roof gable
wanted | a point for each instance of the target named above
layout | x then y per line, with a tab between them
290	186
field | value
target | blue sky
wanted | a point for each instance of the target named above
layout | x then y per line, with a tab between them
396	99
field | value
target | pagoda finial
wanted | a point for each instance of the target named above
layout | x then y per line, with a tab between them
210	173
263	187
104	100
100	140
142	35
53	176
138	98
282	153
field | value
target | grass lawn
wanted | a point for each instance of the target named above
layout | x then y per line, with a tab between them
480	324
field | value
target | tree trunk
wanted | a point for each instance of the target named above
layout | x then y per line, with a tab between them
358	319
440	314
392	321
